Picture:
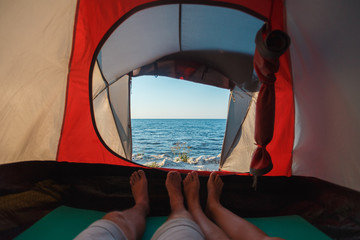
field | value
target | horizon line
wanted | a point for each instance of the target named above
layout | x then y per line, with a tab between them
181	118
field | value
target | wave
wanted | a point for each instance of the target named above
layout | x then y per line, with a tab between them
201	163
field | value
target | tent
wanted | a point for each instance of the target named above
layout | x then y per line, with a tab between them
66	69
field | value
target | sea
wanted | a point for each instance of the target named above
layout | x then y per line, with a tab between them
178	143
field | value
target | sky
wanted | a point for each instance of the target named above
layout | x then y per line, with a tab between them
164	97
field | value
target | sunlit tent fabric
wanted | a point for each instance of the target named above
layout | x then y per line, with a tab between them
66	69
166	41
46	109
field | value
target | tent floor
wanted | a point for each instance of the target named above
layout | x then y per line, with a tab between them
30	190
75	220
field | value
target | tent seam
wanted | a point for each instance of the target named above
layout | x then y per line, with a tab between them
68	77
180	27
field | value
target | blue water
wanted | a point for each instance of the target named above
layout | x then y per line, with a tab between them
155	139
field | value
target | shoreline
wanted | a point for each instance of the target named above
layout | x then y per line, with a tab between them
201	163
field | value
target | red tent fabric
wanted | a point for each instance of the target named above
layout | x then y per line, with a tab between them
270	45
94	20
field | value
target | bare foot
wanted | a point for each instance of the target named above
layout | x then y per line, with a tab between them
139	189
173	186
191	189
214	186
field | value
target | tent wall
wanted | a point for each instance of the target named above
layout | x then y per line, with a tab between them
120	104
281	145
104	114
80	139
239	143
42	61
36	43
325	58
93	24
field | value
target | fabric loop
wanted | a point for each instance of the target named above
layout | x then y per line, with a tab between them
269	47
265	69
274	45
261	163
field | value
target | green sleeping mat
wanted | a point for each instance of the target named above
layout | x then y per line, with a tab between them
66	223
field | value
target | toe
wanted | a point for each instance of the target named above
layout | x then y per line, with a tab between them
212	176
135	176
141	174
187	178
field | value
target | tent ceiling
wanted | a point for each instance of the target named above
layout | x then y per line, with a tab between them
216	68
156	32
200	43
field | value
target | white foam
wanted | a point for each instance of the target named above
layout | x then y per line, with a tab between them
201	163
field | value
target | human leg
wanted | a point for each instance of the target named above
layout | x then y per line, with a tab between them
173	186
234	226
191	189
132	221
180	224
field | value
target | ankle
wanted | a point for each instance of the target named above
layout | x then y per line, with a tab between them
193	202
194	207
143	207
177	207
212	204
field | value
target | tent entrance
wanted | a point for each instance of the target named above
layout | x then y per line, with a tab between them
212	45
177	123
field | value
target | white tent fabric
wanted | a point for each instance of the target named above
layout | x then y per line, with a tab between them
120	104
156	32
325	61
141	39
218	68
104	118
239	143
106	124
217	28
98	82
36	42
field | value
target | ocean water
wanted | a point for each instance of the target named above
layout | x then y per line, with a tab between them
158	142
